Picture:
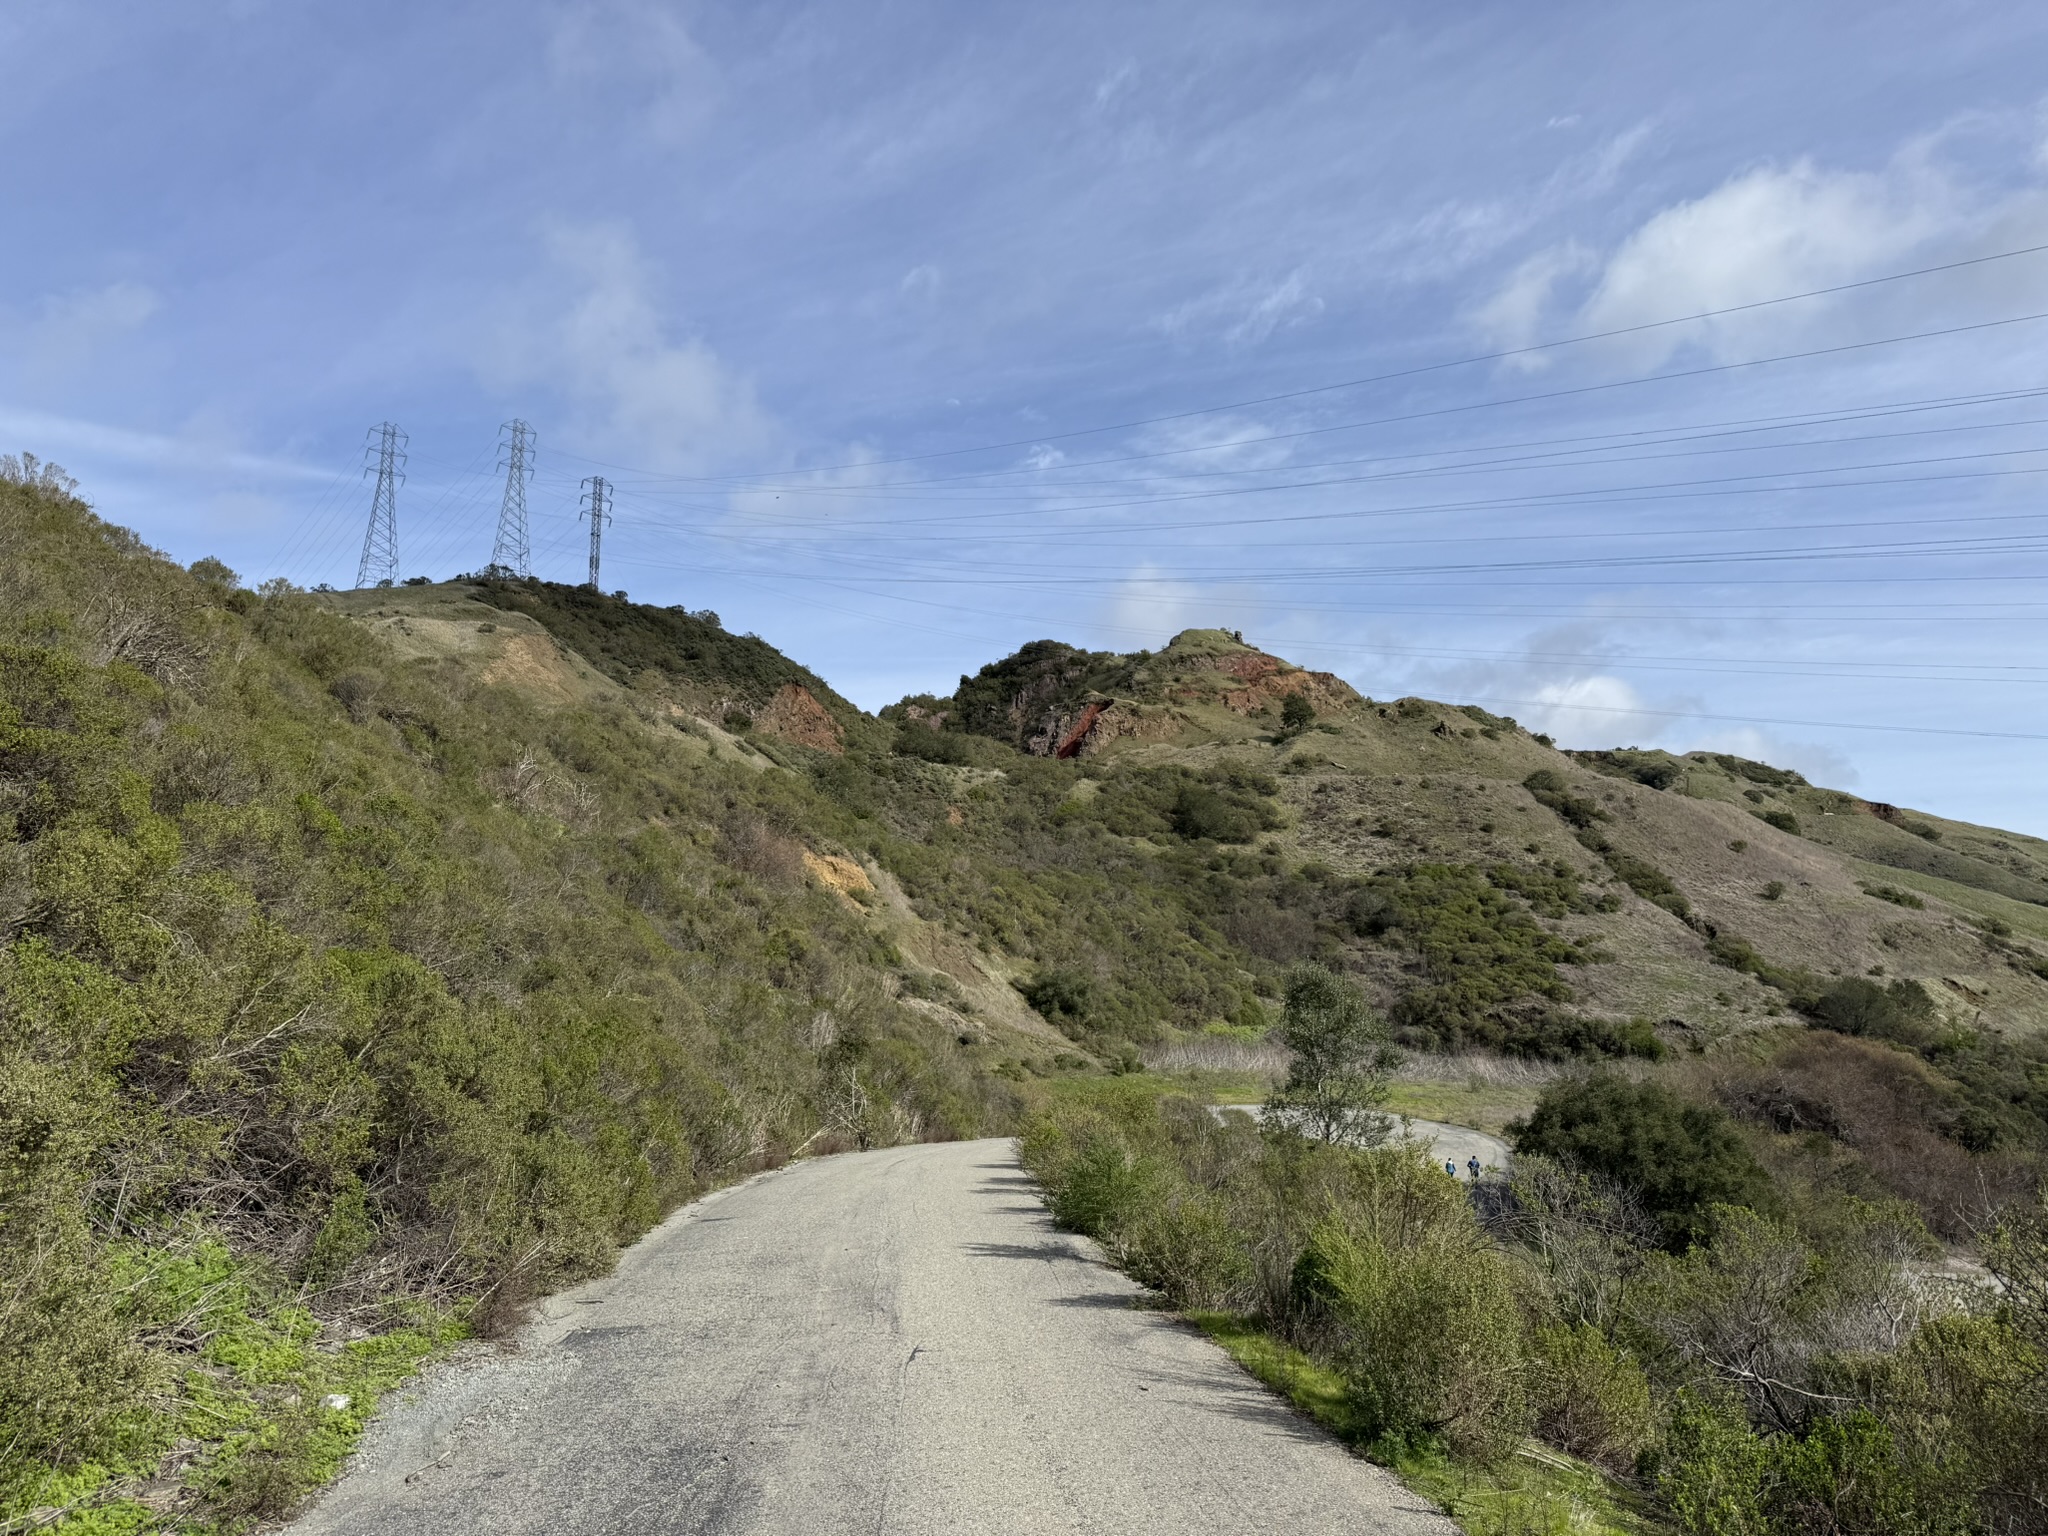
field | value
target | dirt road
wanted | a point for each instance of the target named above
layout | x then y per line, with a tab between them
894	1342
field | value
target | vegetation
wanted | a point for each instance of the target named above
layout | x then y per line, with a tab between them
337	996
1745	1353
1338	1078
371	963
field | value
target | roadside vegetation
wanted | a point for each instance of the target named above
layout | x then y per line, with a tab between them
1641	1327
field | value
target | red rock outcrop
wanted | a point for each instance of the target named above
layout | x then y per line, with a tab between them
797	717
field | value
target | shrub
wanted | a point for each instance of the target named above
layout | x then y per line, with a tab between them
1589	1397
1901	1012
1678	1157
1200	812
1060	995
1422	1319
1773	891
1296	715
1784	821
1550	789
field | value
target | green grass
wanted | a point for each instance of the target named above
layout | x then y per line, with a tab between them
2023	917
1483	1106
258	1413
1537	1492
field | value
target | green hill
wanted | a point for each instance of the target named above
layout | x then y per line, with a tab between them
372	962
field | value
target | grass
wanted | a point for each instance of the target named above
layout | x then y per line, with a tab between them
266	1411
1537	1492
1483	1106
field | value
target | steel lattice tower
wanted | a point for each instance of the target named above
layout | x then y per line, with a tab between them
597	506
512	552
380	544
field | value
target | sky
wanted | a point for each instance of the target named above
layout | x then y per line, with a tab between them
1660	376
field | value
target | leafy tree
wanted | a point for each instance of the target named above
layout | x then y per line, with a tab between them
1296	715
1341	1061
1678	1158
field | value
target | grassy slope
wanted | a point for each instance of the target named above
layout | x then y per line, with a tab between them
348	986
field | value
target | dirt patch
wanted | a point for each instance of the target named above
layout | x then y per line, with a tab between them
797	717
531	664
837	873
1265	680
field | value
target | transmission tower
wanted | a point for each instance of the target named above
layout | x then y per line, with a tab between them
511	552
380	544
597	506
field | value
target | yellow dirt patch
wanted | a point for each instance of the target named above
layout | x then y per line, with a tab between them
531	663
840	874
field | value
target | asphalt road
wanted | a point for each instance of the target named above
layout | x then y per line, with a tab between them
893	1342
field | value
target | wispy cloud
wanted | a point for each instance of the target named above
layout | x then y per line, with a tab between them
596	335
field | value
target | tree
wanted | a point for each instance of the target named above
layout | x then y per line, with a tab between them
1341	1061
1296	714
1677	1158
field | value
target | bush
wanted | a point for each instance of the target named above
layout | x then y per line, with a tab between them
1901	1012
1590	1397
1421	1316
1060	995
1679	1158
1784	821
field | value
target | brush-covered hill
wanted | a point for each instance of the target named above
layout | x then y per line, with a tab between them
373	961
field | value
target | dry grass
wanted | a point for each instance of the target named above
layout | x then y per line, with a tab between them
1218	1053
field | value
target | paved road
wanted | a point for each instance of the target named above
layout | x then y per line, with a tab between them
1457	1142
894	1342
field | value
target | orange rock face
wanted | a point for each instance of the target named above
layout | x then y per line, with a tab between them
797	717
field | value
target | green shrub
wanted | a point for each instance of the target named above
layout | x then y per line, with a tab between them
1895	896
1338	1077
1679	1157
1901	1012
1590	1397
1059	995
1784	821
1549	788
1421	1316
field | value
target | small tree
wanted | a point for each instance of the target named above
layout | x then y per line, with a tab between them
1341	1060
1296	714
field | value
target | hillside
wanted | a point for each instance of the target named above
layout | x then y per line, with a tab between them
372	962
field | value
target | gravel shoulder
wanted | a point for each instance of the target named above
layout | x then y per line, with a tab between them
890	1342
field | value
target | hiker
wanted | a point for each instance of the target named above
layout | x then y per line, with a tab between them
1473	1164
1451	1167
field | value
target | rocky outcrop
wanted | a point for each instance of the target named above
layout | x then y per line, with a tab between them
1261	681
1083	732
795	715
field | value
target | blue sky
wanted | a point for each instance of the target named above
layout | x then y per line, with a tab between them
910	332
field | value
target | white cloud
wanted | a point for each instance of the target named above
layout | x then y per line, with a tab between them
633	389
638	56
1244	313
1595	710
1514	316
1775	230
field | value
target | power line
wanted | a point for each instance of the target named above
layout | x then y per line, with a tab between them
379	565
1472	360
